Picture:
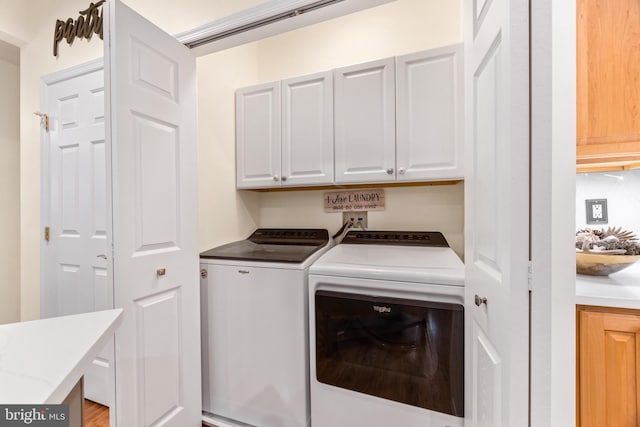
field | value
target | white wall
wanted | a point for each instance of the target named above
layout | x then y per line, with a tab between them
225	214
392	29
9	184
621	189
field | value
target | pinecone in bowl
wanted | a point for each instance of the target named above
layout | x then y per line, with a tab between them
623	242
603	252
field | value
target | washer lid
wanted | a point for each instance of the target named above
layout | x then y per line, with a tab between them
273	245
419	264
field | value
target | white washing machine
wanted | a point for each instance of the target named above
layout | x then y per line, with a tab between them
255	360
386	318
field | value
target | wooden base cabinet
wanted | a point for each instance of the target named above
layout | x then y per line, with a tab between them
608	367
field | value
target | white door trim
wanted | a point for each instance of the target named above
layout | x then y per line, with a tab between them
69	73
553	327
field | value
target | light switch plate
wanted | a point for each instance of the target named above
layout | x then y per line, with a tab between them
597	211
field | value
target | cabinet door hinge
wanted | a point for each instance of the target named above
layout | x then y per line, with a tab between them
530	275
47	233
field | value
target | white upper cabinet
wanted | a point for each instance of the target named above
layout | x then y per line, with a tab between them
365	122
391	120
307	130
258	129
429	114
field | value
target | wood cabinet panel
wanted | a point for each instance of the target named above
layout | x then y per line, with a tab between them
608	380
608	82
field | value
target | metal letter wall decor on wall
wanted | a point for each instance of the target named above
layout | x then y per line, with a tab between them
88	23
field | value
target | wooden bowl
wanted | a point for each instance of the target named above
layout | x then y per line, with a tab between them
602	264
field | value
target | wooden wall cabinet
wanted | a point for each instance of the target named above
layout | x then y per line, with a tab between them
608	84
608	367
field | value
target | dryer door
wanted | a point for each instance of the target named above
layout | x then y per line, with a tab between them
403	350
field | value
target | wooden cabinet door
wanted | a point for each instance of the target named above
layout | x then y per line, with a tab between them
365	122
609	344
307	130
608	88
429	99
258	130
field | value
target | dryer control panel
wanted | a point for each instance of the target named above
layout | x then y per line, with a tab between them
398	238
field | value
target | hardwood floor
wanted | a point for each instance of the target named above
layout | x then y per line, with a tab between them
96	415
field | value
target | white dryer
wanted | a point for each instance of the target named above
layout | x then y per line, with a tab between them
386	318
255	359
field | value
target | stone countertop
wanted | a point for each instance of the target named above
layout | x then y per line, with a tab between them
41	360
621	289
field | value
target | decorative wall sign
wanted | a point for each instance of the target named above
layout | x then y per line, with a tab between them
355	200
88	23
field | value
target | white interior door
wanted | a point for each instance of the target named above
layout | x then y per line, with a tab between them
74	273
151	146
497	212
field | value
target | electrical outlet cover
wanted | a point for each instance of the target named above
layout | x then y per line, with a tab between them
597	211
359	218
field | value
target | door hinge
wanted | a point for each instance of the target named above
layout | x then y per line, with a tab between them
530	275
47	232
44	120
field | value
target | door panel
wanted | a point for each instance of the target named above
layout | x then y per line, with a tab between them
74	195
151	148
497	211
365	148
258	132
430	132
307	130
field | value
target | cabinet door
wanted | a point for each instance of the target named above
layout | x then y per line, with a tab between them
608	372
608	88
307	130
258	136
365	122
429	114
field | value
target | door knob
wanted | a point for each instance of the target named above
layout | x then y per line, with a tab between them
479	301
284	178
389	171
161	272
204	273
276	178
401	171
